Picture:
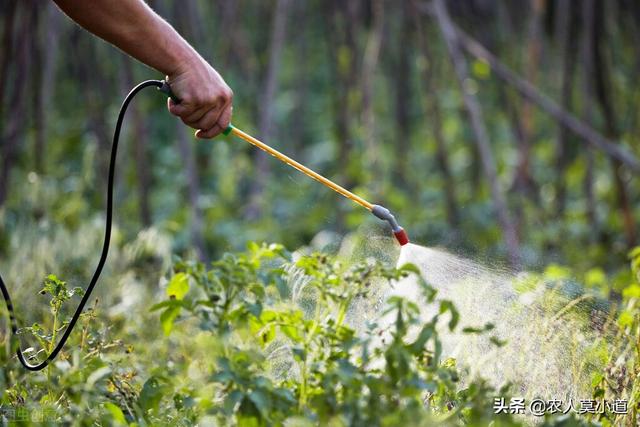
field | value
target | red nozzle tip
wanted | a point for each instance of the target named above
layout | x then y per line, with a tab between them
402	237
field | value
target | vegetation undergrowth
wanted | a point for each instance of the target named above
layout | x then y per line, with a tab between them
263	337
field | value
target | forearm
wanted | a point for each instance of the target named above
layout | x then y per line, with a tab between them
205	99
133	27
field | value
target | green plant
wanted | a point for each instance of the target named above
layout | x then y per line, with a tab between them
266	337
285	350
620	378
59	293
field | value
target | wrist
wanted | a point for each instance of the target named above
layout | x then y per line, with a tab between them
183	60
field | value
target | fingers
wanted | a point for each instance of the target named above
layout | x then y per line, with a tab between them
211	133
215	115
187	113
177	109
221	124
193	118
198	118
225	118
208	120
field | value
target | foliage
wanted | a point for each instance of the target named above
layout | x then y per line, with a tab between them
263	338
276	363
620	378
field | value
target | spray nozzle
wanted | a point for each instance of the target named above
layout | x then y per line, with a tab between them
386	215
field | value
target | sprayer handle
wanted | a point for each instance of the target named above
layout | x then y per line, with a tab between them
166	89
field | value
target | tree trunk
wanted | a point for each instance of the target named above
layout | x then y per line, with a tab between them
480	133
299	126
17	113
93	84
266	120
37	75
402	80
195	27
140	144
229	21
44	79
523	181
368	74
432	110
566	34
7	48
342	52
604	93
588	16
193	189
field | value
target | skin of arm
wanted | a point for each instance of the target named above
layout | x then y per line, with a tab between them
131	25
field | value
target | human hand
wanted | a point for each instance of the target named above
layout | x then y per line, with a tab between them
205	99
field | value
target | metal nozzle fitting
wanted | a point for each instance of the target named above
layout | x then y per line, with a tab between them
386	215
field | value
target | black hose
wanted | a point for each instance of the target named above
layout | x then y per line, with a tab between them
105	247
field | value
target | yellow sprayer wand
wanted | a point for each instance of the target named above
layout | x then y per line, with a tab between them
379	211
302	168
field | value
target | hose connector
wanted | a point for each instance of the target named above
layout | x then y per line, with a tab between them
166	89
386	215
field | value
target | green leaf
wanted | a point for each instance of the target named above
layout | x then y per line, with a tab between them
268	316
410	268
291	332
455	315
557	272
163	304
498	342
472	330
167	317
596	379
178	286
449	362
97	375
253	246
481	69
425	334
625	319
258	290
635	252
248	413
117	415
260	400
268	334
152	392
631	291
231	401
595	278
299	353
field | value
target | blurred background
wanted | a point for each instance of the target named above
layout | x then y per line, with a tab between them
395	100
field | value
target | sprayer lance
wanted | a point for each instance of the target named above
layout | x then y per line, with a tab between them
379	211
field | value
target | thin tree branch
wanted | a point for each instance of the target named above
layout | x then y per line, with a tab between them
529	91
481	137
